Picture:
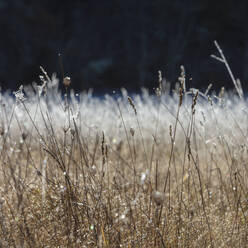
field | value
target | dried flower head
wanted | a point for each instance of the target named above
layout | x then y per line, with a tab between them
72	131
19	95
67	81
158	197
132	131
24	135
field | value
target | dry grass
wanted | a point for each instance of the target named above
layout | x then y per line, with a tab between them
164	171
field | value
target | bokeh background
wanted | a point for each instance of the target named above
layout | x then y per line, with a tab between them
106	45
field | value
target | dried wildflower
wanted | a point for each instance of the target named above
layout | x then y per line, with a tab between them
72	131
158	197
132	131
24	135
19	95
67	81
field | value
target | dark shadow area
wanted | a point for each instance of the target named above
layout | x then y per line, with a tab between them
107	45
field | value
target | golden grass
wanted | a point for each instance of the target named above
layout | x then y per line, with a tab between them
142	172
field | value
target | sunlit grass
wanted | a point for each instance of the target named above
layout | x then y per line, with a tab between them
165	170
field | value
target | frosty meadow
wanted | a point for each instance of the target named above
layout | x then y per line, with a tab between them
164	170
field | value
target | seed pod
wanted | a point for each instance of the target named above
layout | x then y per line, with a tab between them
24	135
132	131
158	197
67	81
72	131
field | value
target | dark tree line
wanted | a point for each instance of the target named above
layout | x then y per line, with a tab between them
109	44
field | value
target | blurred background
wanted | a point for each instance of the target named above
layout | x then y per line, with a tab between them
106	45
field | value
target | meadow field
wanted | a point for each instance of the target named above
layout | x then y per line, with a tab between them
151	170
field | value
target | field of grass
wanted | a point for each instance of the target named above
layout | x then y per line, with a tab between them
165	170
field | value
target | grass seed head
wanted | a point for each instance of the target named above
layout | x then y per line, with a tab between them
132	104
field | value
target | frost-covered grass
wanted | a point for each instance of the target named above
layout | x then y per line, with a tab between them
147	171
